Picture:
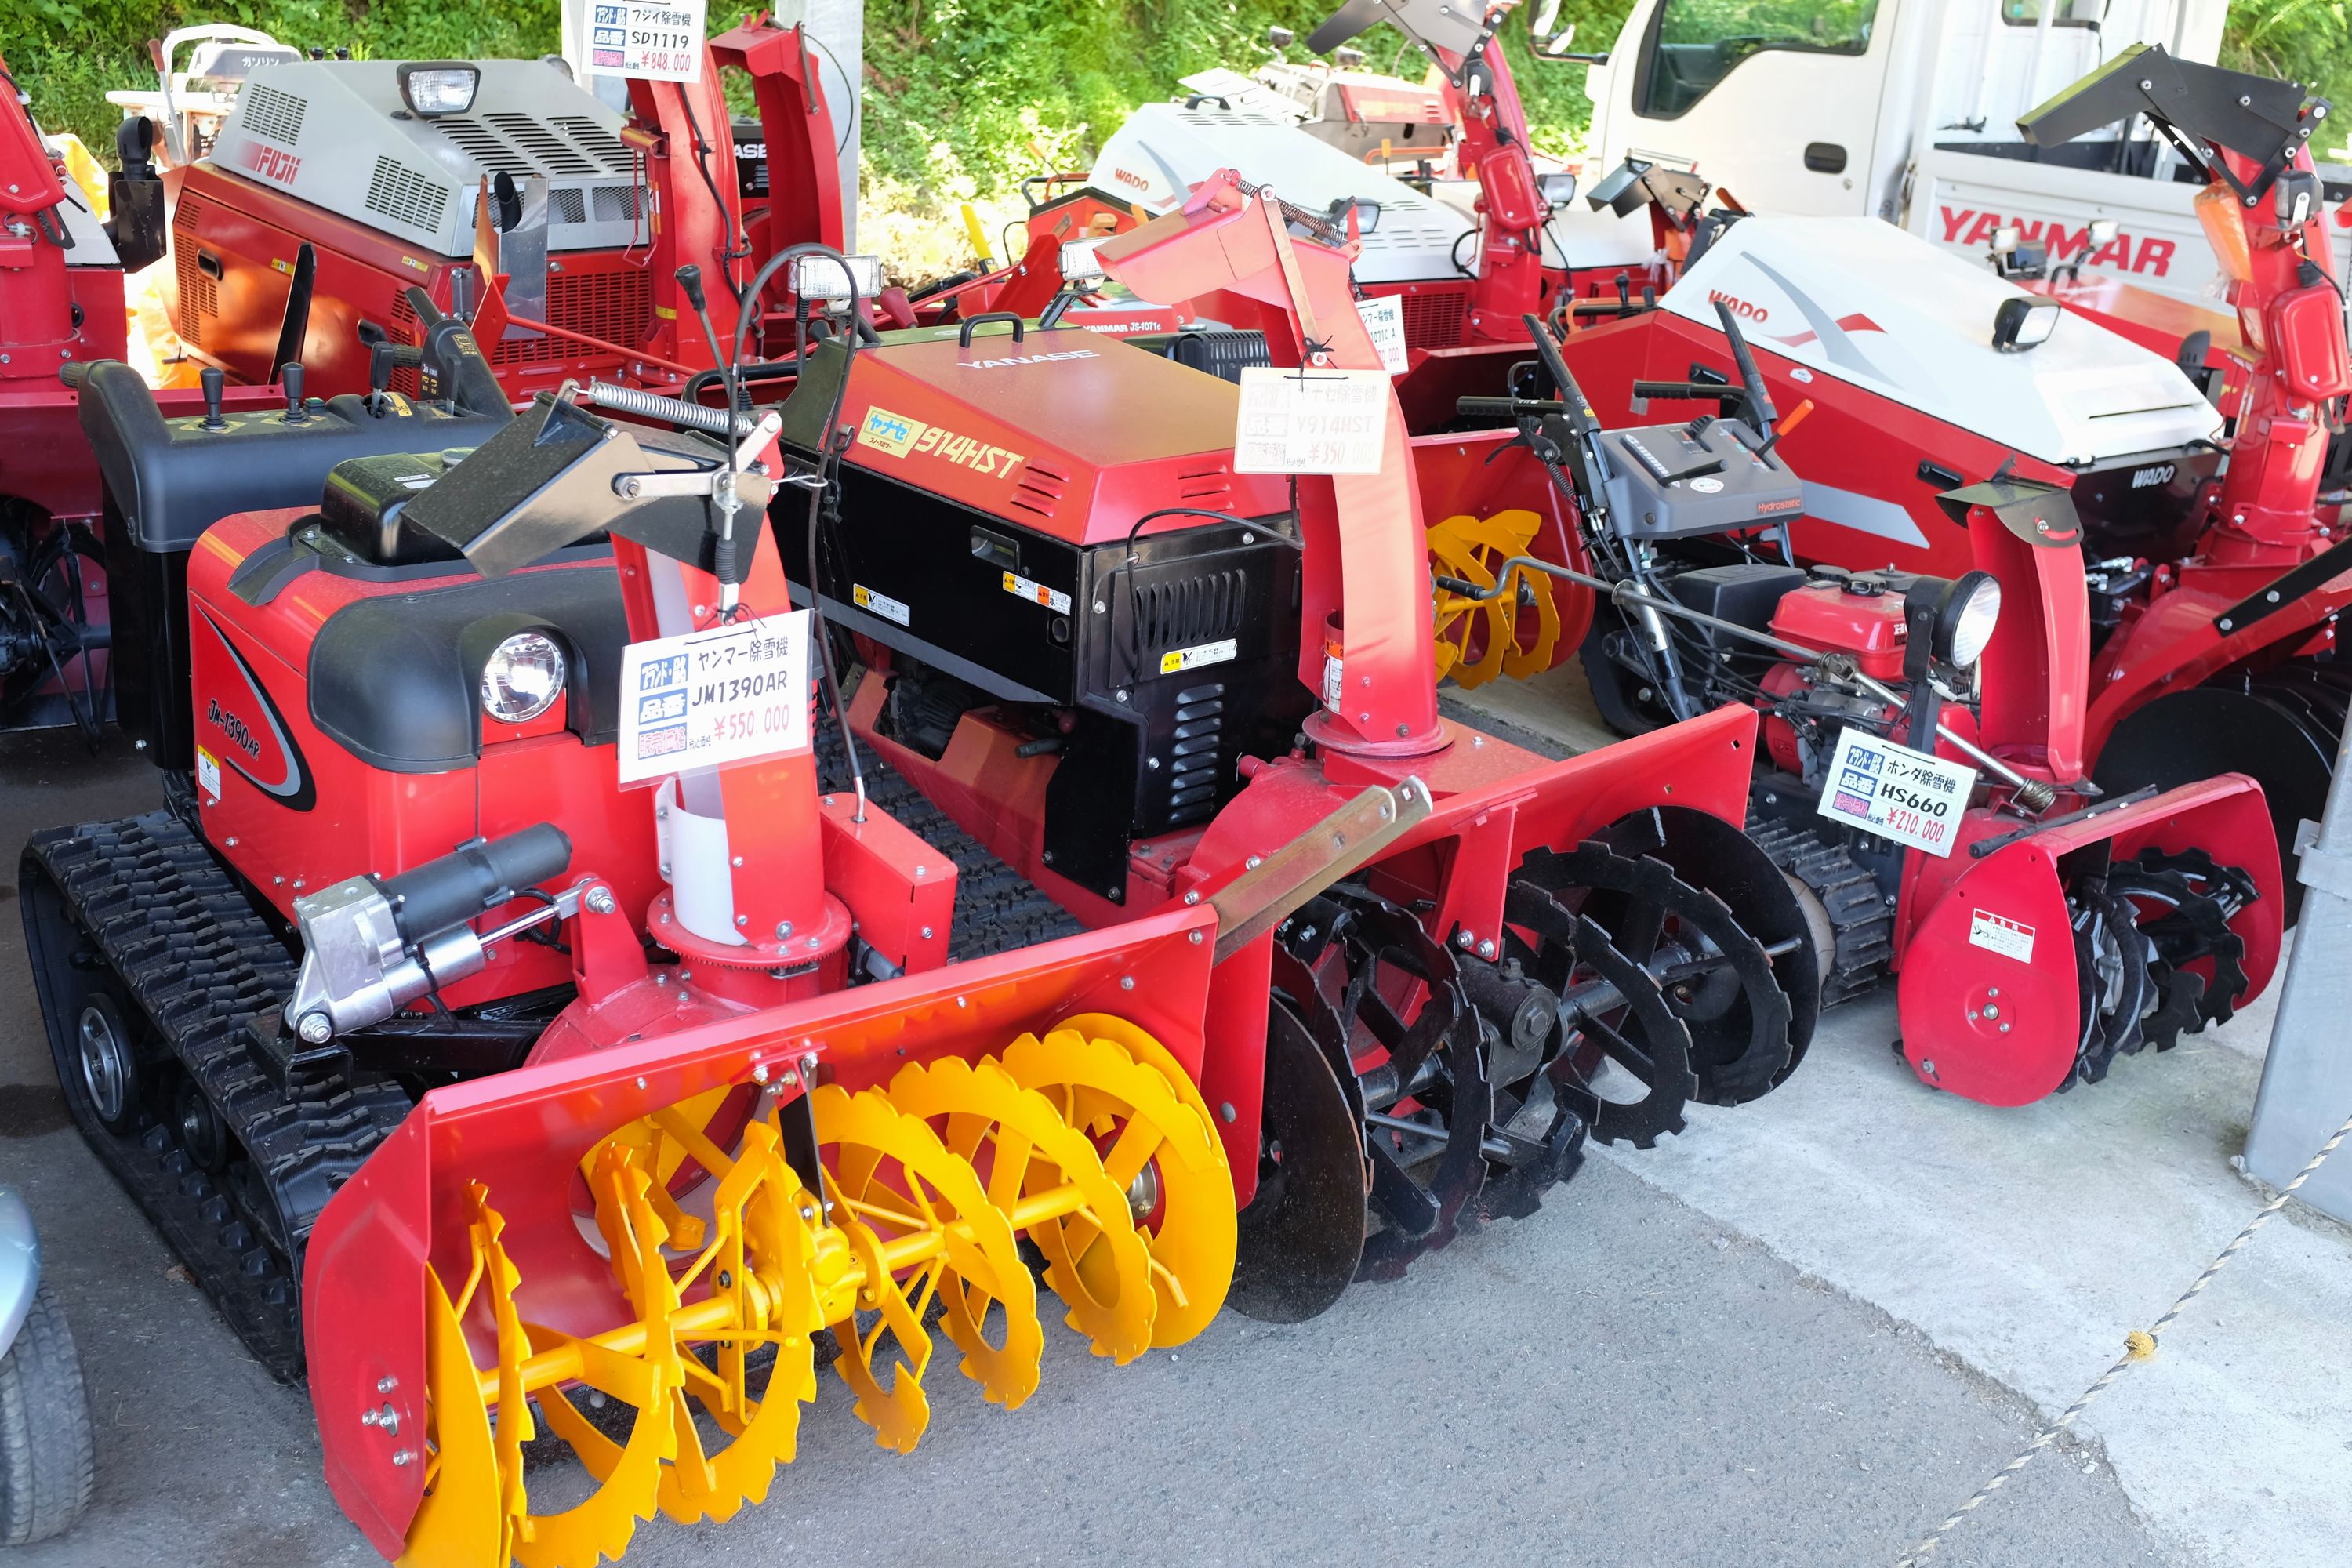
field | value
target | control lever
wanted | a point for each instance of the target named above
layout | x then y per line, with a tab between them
213	382
1760	412
289	376
690	281
385	356
1584	466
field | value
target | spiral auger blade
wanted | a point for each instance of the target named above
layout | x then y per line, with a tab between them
1127	1094
1025	1151
920	1222
1092	1142
1471	550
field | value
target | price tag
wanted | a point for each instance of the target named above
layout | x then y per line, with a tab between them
1909	796
1384	319
728	695
1311	422
653	41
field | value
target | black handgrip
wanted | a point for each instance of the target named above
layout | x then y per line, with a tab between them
1759	399
473	877
689	278
460	369
963	338
71	374
1578	407
428	314
1693	391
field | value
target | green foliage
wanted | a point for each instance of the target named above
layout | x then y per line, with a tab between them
69	54
2308	41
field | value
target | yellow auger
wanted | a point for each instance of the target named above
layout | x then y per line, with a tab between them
1092	1143
1471	550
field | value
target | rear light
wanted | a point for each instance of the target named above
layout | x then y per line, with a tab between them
434	88
2023	323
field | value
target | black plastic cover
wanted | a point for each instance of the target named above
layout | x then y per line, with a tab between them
396	681
472	877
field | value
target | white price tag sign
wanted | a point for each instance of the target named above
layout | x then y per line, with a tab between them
727	695
655	40
1311	422
1909	796
1385	320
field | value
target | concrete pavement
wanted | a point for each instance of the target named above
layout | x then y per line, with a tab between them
1726	1350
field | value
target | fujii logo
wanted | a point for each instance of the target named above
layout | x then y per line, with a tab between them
274	164
2159	474
1753	312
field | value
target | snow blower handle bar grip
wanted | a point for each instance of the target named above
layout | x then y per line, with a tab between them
1578	410
463	371
1685	390
472	877
1760	412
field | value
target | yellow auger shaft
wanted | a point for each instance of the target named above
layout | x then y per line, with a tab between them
709	1318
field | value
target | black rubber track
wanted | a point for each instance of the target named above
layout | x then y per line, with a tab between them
141	911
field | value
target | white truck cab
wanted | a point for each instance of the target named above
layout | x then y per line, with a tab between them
1906	110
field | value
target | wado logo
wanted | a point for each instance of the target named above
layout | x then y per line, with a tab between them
1968	227
272	163
898	436
1754	312
2144	478
1126	178
1028	358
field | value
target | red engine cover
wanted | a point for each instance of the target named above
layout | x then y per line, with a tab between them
2305	328
296	810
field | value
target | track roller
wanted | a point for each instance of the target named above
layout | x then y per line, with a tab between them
1091	1141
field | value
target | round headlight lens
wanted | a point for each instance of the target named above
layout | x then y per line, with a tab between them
523	678
1972	618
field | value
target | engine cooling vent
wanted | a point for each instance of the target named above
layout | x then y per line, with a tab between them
614	203
607	152
566	204
1040	489
1436	319
405	196
272	114
1197	753
1222	353
484	146
554	154
1220	117
199	297
1185	612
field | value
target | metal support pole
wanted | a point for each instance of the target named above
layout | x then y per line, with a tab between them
2306	1090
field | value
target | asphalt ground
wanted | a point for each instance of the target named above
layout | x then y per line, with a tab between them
1621	1379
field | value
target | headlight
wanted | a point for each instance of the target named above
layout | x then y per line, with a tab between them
523	678
2023	323
821	278
1081	267
1965	624
432	88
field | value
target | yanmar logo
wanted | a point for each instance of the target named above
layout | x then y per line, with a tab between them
900	436
272	163
1028	358
1743	307
2125	253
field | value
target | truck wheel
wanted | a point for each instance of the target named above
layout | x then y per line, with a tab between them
46	1468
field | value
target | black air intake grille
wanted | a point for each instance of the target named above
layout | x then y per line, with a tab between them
1185	612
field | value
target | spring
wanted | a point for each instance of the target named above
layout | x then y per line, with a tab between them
653	405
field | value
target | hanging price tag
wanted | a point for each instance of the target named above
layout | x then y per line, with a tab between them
1909	796
728	695
1385	320
1311	422
653	41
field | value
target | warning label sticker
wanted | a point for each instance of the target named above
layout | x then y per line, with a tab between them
881	605
209	775
1053	599
1181	659
1999	933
